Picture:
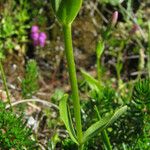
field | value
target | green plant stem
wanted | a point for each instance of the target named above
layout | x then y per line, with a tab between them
5	84
141	58
73	79
98	69
148	51
104	134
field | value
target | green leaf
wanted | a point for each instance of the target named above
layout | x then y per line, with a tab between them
94	129
99	48
66	10
116	115
66	117
93	83
102	124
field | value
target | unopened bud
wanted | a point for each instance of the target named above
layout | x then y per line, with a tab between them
114	18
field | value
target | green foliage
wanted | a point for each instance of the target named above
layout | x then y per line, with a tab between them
99	49
66	117
30	82
106	99
141	92
68	144
95	128
131	131
102	124
14	25
93	83
119	132
143	141
53	141
66	10
57	95
13	131
128	128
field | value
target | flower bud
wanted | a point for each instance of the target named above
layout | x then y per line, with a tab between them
114	18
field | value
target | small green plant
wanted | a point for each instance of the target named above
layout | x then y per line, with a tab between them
14	26
66	11
30	81
14	134
4	81
141	92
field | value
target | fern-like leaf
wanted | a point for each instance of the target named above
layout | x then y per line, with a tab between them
141	92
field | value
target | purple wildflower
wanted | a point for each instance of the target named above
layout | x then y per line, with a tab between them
35	36
34	29
42	39
39	38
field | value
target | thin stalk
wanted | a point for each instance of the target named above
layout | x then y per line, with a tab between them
104	134
148	64
98	69
141	58
73	78
118	74
4	82
119	66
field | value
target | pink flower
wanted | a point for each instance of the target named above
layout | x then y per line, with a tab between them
34	29
35	36
39	38
42	39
